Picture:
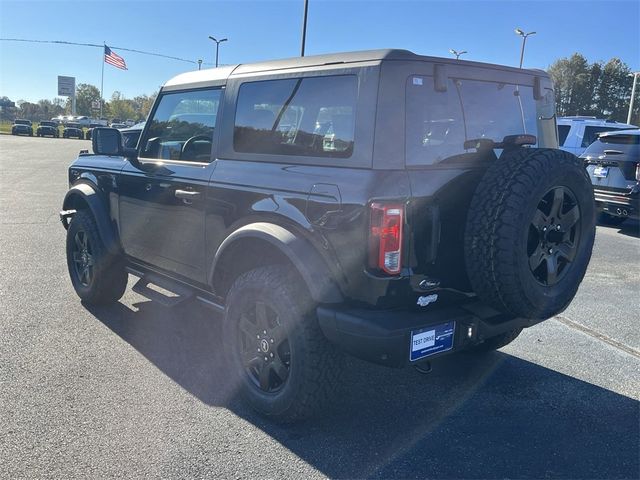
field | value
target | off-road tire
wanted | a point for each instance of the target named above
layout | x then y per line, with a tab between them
499	341
108	281
315	366
498	234
610	220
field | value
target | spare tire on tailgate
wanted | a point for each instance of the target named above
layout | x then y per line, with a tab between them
530	232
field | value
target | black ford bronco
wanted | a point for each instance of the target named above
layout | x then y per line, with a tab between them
388	205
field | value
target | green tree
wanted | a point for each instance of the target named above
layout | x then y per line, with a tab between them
599	89
120	107
142	104
571	77
614	91
86	94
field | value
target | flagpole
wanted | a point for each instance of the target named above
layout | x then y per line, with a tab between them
102	81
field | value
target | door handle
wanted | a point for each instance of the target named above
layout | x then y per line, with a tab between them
187	194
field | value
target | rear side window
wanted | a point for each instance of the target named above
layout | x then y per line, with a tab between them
563	133
182	126
313	116
438	123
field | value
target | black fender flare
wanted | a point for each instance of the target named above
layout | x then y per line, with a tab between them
301	253
89	195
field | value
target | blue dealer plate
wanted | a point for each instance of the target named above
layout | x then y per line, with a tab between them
431	340
601	172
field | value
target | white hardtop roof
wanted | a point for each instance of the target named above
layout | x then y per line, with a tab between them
201	76
220	74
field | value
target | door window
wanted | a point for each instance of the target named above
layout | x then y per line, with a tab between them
182	126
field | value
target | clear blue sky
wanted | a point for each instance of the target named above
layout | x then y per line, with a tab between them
260	30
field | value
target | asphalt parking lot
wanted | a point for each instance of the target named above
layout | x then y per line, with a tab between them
137	390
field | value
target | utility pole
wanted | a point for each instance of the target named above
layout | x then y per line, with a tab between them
524	41
218	42
304	26
633	94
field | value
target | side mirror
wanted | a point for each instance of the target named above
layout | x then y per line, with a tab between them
106	141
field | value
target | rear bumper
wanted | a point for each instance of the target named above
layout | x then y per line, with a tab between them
383	336
618	204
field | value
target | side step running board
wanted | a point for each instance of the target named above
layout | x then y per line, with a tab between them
142	288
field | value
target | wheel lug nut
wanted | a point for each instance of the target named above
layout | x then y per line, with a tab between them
271	355
271	340
266	359
544	229
258	336
264	332
557	227
551	250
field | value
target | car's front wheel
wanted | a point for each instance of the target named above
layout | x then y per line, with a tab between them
285	367
98	277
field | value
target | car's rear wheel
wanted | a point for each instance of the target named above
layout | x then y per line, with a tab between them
285	367
98	277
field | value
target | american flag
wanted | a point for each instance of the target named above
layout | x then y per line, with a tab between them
114	59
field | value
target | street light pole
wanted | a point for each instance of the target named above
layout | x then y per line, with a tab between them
456	53
218	42
304	27
199	64
633	94
524	41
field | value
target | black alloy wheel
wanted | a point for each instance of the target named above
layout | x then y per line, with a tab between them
554	235
83	258
264	347
98	277
285	367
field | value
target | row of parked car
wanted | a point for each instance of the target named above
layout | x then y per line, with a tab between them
73	130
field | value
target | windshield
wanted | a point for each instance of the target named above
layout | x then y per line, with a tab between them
438	123
22	122
47	124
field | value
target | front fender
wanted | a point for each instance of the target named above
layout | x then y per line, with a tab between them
300	252
84	195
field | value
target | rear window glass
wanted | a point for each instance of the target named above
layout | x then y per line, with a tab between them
563	132
312	116
622	139
438	123
591	134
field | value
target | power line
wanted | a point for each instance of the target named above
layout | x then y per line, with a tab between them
95	45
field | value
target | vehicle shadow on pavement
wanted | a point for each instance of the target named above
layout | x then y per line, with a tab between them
630	228
490	416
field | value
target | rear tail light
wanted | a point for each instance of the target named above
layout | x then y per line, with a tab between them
385	237
637	172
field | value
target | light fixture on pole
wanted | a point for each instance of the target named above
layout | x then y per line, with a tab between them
456	53
524	41
633	94
218	42
199	63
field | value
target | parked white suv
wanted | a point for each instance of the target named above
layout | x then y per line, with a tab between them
575	134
